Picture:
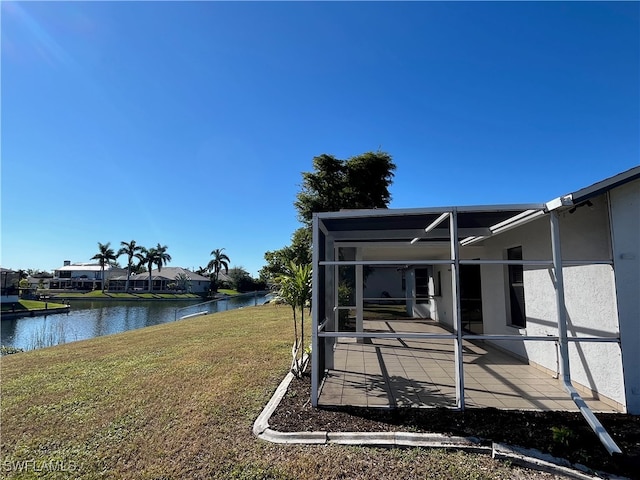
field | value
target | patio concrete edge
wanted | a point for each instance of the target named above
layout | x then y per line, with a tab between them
538	460
261	424
529	458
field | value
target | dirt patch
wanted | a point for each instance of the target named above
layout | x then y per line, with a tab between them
562	434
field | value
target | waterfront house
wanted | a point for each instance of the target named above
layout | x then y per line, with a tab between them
82	276
9	283
168	279
511	306
40	280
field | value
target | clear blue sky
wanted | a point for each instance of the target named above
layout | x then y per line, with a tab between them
189	124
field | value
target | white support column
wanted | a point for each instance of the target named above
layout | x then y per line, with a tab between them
457	318
359	294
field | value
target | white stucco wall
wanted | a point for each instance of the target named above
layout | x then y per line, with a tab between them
589	296
388	279
625	219
442	305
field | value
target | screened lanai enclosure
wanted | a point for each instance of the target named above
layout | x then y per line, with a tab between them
485	306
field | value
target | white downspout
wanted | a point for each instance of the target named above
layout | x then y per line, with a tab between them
565	372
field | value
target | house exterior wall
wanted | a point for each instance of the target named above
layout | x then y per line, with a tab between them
34	282
441	306
90	274
93	273
625	222
589	297
384	280
199	286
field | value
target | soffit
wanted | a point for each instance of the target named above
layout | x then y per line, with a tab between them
389	225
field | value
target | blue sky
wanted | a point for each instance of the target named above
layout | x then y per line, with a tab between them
189	124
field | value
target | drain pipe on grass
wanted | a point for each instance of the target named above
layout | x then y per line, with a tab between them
586	412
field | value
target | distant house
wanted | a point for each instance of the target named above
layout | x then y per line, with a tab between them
82	276
167	279
556	285
9	282
223	278
40	280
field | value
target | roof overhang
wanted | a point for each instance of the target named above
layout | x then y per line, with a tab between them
404	227
594	190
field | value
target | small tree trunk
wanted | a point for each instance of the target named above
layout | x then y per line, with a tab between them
295	366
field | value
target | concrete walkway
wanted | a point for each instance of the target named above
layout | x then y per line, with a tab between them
420	373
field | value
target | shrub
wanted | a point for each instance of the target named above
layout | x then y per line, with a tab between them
9	350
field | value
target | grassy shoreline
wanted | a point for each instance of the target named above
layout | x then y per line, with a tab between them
178	400
25	308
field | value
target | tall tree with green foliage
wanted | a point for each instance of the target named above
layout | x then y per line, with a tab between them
131	250
105	256
220	260
162	257
295	289
157	256
298	252
361	181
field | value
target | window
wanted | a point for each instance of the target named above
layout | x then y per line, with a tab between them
518	315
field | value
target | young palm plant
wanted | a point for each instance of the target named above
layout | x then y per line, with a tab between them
295	290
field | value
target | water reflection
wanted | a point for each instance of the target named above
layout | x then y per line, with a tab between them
88	319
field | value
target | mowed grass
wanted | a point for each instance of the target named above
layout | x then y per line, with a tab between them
228	291
24	305
178	401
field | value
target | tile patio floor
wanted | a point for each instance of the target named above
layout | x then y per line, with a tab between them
420	373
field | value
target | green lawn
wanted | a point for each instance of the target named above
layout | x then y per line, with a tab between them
24	305
228	291
177	401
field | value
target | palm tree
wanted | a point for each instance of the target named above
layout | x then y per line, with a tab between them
131	250
202	271
220	261
157	256
295	290
105	256
162	257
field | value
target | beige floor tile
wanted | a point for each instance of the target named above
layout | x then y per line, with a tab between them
422	372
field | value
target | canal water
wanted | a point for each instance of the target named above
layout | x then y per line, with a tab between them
88	319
